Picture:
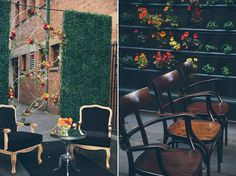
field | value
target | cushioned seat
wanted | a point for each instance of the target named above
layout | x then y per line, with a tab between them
21	140
95	138
221	108
174	161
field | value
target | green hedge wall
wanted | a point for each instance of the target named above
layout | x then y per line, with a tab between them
4	50
86	59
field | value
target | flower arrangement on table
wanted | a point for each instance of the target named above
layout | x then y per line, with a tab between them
63	126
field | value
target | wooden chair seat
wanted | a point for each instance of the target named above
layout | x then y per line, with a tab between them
203	129
178	162
220	108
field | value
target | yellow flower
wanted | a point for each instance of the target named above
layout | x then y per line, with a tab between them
172	39
162	34
195	59
177	47
173	43
189	59
166	8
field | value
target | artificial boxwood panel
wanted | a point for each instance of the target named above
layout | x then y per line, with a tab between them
85	76
4	49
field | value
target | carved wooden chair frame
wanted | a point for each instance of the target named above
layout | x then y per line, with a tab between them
13	155
90	147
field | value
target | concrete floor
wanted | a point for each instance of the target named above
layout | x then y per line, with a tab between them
155	132
46	122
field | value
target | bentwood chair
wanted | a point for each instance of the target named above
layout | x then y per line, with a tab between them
95	120
12	141
207	132
220	108
155	159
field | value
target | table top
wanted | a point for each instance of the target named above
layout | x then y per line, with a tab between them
68	138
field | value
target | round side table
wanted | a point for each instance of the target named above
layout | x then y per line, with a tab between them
67	158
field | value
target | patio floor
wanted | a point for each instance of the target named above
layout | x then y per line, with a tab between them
47	121
155	136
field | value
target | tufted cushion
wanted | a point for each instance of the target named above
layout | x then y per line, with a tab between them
95	119
95	138
20	140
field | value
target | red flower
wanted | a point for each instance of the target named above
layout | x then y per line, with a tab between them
186	34
182	37
189	8
136	31
197	12
13	35
149	21
45	26
195	36
29	41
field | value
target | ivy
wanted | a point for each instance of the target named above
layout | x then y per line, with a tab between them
86	55
4	50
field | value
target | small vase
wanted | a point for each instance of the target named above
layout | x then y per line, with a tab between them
63	131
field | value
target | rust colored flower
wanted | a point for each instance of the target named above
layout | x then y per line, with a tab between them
136	58
45	96
47	64
162	34
186	34
29	41
166	8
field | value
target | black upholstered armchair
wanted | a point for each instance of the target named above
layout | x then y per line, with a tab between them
95	120
12	141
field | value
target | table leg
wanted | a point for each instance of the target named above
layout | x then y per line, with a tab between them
60	164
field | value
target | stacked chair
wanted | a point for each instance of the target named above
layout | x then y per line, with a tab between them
155	159
200	124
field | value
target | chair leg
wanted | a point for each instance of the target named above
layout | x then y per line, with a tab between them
226	132
13	163
108	156
208	164
40	151
219	153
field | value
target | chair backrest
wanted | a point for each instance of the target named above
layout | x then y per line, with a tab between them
8	117
167	85
131	104
185	70
95	118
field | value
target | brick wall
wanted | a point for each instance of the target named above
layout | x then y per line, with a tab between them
28	90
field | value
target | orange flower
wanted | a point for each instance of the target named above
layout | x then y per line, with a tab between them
162	34
47	64
166	8
45	96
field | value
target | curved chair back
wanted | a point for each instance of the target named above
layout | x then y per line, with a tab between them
166	87
8	117
129	104
95	118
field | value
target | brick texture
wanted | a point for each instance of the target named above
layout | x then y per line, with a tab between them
24	26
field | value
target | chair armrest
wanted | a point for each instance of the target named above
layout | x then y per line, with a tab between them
206	94
204	82
146	147
6	131
109	130
33	126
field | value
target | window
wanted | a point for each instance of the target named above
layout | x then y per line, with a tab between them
24	62
17	11
55	54
32	61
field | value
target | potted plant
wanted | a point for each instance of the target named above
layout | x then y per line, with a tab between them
226	70
227	48
127	61
211	25
164	61
210	47
228	25
208	68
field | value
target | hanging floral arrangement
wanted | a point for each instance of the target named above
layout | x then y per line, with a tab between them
164	61
141	60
